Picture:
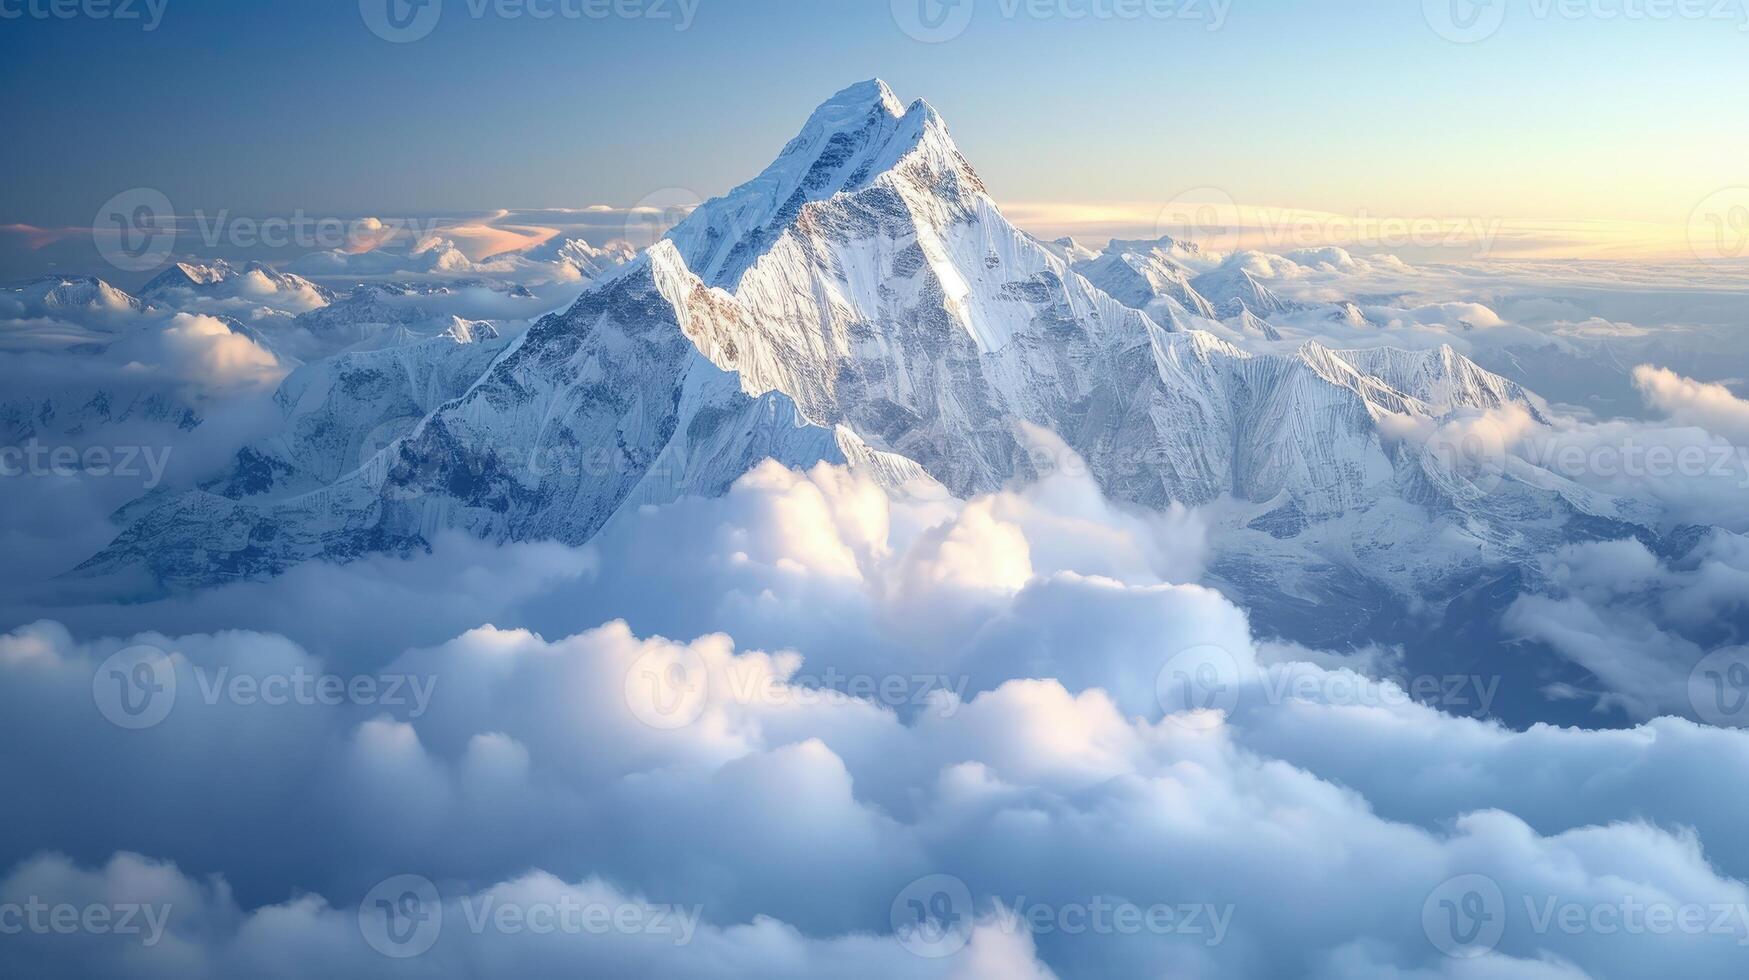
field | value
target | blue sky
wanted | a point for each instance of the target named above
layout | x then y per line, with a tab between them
1347	106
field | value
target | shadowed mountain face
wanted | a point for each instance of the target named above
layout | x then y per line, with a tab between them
864	301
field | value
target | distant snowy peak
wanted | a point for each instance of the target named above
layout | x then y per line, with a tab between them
1441	378
255	280
438	254
470	331
454	330
188	275
577	260
84	294
1252	325
589	261
1070	250
388	314
1234	290
369	305
1140	277
1350	315
1165	249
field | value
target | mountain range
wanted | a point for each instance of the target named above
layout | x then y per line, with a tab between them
864	301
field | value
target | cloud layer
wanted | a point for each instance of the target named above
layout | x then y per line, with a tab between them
1088	771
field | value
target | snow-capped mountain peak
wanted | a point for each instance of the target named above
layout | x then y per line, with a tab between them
85	294
182	275
1233	289
864	300
1070	250
1251	324
219	278
1165	248
859	134
1143	274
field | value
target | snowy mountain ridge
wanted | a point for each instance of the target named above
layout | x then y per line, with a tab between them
864	301
220	278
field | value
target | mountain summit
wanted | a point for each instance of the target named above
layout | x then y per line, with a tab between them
864	301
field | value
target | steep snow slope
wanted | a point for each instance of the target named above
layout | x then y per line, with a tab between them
1251	325
607	405
341	411
884	291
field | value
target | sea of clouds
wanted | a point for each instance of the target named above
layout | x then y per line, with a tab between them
814	728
